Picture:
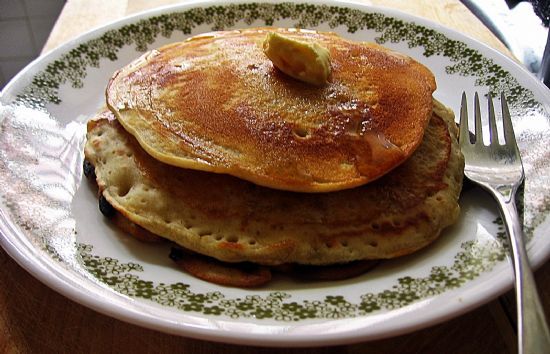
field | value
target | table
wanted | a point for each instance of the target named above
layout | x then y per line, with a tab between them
34	318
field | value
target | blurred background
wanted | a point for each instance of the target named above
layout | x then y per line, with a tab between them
26	24
24	28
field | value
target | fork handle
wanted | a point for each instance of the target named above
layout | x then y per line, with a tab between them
533	333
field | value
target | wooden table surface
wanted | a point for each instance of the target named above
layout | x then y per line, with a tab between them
36	319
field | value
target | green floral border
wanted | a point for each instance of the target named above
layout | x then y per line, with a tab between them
71	67
473	259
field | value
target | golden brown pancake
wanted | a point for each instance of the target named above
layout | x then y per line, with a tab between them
234	220
216	103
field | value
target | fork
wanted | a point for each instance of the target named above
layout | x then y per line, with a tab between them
498	169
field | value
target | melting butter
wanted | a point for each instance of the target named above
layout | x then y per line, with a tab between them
308	62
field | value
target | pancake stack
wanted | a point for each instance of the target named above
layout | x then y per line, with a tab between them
205	143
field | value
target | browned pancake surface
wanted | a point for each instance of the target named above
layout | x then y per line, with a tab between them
216	103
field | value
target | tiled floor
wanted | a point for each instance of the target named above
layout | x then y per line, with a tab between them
24	28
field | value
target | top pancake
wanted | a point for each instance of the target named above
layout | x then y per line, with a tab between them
216	103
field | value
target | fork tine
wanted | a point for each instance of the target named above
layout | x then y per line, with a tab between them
509	136
477	121
493	132
464	132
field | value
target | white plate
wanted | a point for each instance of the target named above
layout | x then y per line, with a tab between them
51	225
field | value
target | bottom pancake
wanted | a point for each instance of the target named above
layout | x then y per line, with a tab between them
236	221
242	274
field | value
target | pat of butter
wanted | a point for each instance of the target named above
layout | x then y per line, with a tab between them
308	62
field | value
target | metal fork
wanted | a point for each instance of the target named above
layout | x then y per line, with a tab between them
498	169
